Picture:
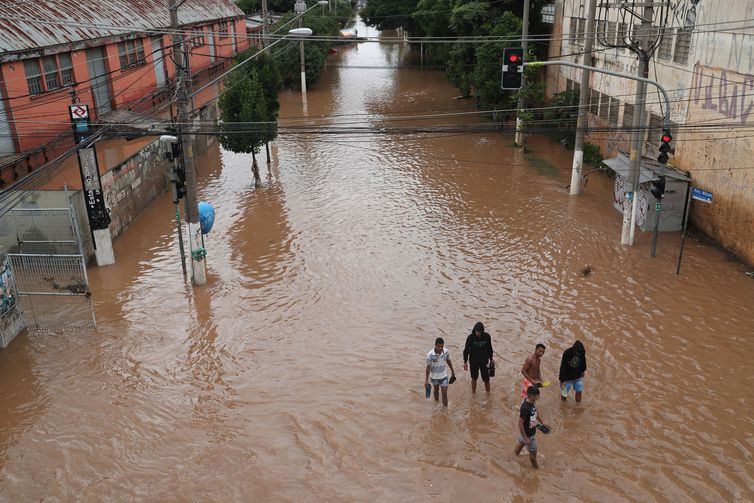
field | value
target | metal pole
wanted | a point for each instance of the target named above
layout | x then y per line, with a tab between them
686	212
519	139
581	124
179	227
303	62
656	231
264	23
628	231
198	264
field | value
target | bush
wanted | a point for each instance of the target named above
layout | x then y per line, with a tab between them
592	154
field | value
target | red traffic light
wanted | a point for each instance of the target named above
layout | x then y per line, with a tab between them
666	138
513	58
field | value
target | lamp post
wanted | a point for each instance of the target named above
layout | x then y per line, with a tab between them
300	8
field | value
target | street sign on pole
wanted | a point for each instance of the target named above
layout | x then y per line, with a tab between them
702	195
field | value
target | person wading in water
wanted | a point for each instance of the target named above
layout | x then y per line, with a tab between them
478	353
530	370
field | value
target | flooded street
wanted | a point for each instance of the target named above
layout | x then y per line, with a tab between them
296	373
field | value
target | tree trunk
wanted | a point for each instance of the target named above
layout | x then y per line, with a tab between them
255	170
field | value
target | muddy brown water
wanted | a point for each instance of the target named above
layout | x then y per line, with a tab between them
296	374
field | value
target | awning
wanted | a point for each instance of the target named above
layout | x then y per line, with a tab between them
650	169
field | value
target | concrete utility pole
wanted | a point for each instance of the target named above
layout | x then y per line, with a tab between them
581	123
300	8
264	23
519	139
628	230
198	264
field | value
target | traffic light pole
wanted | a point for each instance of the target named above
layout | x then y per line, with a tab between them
519	138
581	123
198	264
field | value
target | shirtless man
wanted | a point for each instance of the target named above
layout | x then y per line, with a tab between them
530	370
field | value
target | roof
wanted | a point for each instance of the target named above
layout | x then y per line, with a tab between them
650	169
28	25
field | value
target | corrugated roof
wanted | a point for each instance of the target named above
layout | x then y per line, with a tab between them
27	25
650	169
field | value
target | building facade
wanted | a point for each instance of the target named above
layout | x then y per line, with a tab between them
111	56
706	62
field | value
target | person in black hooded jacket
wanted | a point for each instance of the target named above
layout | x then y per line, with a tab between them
572	368
478	352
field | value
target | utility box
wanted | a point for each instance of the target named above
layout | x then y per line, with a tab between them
673	204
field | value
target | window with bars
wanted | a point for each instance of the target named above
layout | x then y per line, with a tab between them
573	29
580	29
131	53
601	29
49	73
224	30
665	51
594	102
614	111
682	46
548	13
610	34
621	34
628	115
198	40
604	106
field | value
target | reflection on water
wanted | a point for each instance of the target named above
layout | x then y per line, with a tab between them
296	374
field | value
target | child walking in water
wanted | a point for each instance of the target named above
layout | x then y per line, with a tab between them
527	425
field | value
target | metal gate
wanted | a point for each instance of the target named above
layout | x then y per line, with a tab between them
49	270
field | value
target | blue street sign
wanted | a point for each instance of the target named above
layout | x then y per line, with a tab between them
702	195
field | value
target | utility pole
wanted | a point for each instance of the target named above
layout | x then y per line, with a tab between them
643	51
264	23
581	123
300	8
519	139
198	264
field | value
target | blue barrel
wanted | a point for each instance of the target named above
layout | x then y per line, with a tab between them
206	217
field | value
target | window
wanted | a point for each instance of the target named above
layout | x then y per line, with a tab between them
682	45
131	53
622	33
666	45
548	13
612	27
580	29
628	115
594	102
573	29
49	73
33	76
601	29
198	40
224	30
569	85
604	106
614	111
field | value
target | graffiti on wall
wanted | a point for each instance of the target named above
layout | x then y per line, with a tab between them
7	289
729	94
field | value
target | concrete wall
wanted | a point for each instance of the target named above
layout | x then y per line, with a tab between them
132	185
713	89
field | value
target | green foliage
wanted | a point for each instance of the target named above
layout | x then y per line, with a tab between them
391	14
592	154
249	104
315	53
475	69
253	6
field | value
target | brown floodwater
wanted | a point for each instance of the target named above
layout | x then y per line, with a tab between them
296	373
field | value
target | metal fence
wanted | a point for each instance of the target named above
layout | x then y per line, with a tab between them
49	272
45	230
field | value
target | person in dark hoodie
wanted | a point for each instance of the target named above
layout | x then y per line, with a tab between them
478	353
572	368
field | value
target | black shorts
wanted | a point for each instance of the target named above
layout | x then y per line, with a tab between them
476	368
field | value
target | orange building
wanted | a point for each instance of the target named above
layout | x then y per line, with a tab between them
112	56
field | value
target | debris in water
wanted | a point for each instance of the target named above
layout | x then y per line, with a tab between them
586	271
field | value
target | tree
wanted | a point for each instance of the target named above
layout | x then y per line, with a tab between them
315	53
245	116
391	14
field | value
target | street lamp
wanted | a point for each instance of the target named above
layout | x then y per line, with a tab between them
300	8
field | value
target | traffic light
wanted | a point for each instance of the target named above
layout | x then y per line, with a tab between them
180	180
664	146
513	68
658	188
